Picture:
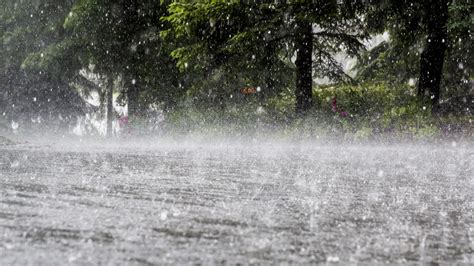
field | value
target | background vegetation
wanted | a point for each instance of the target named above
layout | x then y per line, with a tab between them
240	66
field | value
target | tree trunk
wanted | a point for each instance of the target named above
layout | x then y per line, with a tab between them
110	106
267	61
131	77
268	88
304	80
102	103
133	95
432	57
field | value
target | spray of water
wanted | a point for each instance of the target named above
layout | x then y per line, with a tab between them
204	199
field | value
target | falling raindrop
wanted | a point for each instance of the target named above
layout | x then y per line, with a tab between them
15	164
380	173
164	215
332	259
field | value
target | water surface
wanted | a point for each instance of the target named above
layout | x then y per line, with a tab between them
232	203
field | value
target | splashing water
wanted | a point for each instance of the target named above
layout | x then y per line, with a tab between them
227	202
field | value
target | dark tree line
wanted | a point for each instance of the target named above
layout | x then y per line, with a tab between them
164	52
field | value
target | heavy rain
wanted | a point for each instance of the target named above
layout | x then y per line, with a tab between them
137	132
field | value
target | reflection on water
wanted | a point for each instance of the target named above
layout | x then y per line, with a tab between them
236	204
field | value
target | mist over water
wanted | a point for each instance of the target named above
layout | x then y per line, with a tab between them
222	200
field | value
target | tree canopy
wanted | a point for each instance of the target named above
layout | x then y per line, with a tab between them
165	54
273	38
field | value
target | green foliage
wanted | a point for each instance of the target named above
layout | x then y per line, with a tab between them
388	62
28	26
460	60
256	40
398	60
32	88
122	38
375	111
52	60
192	58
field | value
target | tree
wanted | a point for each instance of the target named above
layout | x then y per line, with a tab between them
28	94
440	29
110	106
459	62
121	38
432	57
223	32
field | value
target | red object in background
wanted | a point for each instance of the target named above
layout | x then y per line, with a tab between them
123	121
335	109
248	90
334	104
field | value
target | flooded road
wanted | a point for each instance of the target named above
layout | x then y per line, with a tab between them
226	203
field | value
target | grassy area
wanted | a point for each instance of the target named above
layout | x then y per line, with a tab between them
351	112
